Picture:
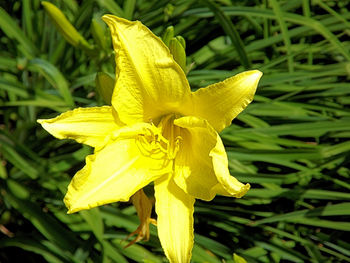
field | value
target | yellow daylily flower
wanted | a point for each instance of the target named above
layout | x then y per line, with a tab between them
158	131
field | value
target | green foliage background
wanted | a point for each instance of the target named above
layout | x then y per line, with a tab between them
291	143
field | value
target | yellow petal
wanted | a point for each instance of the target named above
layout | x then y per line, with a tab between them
115	172
175	220
221	102
149	83
194	172
229	185
201	165
90	126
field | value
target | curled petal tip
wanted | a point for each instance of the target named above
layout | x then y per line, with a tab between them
243	191
106	18
110	19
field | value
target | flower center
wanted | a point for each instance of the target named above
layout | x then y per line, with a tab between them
161	142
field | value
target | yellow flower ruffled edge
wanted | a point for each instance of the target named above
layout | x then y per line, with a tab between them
158	131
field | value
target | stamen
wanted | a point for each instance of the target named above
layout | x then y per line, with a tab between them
148	148
150	144
160	142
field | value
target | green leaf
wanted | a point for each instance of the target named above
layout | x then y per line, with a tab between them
11	155
129	7
94	219
284	31
54	76
31	245
231	31
112	7
45	223
12	30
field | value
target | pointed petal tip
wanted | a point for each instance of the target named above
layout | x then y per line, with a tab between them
69	207
45	123
254	75
70	210
73	209
71	204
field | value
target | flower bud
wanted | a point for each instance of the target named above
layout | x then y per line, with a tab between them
168	34
182	41
98	33
178	51
67	30
105	86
